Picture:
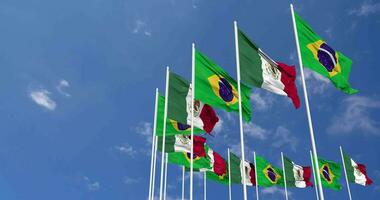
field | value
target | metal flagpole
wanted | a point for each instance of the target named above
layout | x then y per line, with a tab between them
240	108
314	148
153	145
345	173
314	174
192	117
154	167
256	180
183	182
229	175
164	132
166	174
204	186
283	169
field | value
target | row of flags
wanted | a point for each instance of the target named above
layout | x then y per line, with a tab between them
225	171
193	102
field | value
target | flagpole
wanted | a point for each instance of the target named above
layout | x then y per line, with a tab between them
345	173
192	117
183	182
313	145
166	174
229	175
256	180
204	186
314	174
153	145
164	132
283	169
240	107
154	167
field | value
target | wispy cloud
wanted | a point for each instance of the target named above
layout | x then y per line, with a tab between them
140	27
274	190
282	137
255	131
91	185
126	149
41	97
261	100
130	180
316	83
365	9
145	130
61	86
355	114
329	32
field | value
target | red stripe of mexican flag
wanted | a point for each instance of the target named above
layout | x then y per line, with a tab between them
356	173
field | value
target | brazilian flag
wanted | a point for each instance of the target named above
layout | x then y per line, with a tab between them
267	174
173	127
318	56
215	87
184	159
330	173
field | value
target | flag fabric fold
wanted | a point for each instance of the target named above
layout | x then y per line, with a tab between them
182	143
258	70
318	56
237	165
330	173
267	174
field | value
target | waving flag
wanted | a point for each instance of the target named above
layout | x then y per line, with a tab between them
179	103
215	87
236	171
330	174
257	69
297	175
356	173
267	175
182	143
322	58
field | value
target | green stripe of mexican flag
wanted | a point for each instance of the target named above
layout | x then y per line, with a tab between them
356	173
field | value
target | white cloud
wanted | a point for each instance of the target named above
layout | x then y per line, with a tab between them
91	185
329	32
60	87
293	56
282	137
141	27
261	101
365	9
130	180
145	129
126	149
274	190
356	115
219	126
315	82
255	131
41	97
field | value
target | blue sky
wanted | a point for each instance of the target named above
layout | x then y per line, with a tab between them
78	80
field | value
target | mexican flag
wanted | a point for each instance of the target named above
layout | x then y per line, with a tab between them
296	175
217	162
330	174
182	143
318	56
215	87
184	158
237	165
267	175
356	173
258	70
179	105
172	127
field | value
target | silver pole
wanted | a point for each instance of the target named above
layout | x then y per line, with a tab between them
166	175
153	147
283	169
164	132
192	117
314	170
345	173
183	182
204	186
240	107
154	167
229	175
313	145
256	179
